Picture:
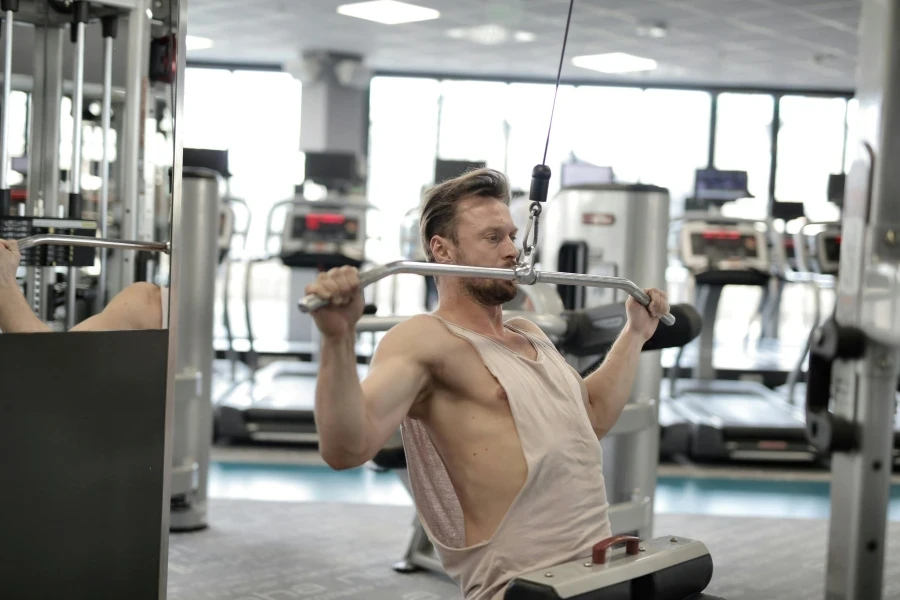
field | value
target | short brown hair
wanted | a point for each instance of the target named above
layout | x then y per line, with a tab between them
439	206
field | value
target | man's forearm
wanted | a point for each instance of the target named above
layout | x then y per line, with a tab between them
15	314
341	417
609	387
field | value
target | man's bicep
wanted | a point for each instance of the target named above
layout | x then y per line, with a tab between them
139	306
397	379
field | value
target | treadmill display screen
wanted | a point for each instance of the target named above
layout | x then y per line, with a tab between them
325	227
833	248
724	244
790	252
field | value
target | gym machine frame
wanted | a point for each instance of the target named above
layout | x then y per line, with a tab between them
855	355
47	89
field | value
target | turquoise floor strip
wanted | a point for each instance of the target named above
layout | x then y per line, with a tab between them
723	497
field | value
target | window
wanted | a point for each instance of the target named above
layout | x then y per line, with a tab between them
528	118
675	141
810	148
743	142
603	126
403	122
256	117
473	122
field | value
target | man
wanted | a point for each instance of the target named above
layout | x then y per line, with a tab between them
139	306
501	434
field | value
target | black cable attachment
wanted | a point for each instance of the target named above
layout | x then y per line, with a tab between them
110	26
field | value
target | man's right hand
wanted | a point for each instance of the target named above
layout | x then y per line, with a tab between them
9	261
342	287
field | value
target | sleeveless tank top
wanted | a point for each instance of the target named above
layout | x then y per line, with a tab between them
561	510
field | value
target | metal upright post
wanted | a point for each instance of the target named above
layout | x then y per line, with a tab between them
854	359
110	25
43	154
9	7
80	16
136	69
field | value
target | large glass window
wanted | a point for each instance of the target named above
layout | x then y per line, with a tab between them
254	115
403	138
810	148
675	137
472	122
743	142
607	122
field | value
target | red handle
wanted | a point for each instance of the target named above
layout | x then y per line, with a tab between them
632	546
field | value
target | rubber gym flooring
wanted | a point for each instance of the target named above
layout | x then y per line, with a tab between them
256	550
282	526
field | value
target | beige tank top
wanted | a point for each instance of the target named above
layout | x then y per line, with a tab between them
561	510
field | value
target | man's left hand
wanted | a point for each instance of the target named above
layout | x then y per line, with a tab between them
644	320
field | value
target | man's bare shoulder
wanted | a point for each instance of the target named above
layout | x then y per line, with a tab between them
422	336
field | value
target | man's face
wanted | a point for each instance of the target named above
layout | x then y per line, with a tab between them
486	237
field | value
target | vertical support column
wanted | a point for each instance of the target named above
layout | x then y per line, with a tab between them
110	27
177	251
43	157
135	78
861	479
868	300
193	374
81	15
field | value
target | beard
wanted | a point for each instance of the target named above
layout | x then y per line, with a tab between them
487	292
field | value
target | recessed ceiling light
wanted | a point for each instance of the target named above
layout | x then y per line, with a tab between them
388	12
524	36
198	43
614	62
652	30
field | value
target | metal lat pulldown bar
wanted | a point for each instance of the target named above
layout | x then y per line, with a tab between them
525	275
91	242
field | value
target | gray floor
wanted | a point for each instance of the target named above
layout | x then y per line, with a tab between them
281	551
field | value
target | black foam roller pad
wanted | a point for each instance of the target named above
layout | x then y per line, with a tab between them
7	5
5	203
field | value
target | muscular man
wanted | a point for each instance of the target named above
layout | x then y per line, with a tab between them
501	434
139	306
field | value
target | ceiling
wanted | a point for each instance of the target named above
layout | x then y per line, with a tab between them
750	43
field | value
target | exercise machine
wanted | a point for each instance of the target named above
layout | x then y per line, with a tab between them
578	334
600	228
663	568
855	355
123	449
730	420
276	403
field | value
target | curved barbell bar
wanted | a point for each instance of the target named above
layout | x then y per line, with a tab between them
85	241
522	275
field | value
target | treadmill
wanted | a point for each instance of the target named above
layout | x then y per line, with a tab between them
276	404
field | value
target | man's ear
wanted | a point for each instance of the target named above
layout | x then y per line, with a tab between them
441	249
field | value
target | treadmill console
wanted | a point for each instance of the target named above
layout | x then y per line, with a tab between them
325	236
16	228
827	256
707	246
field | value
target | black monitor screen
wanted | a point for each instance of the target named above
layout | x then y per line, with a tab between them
836	184
724	244
327	167
448	169
713	184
